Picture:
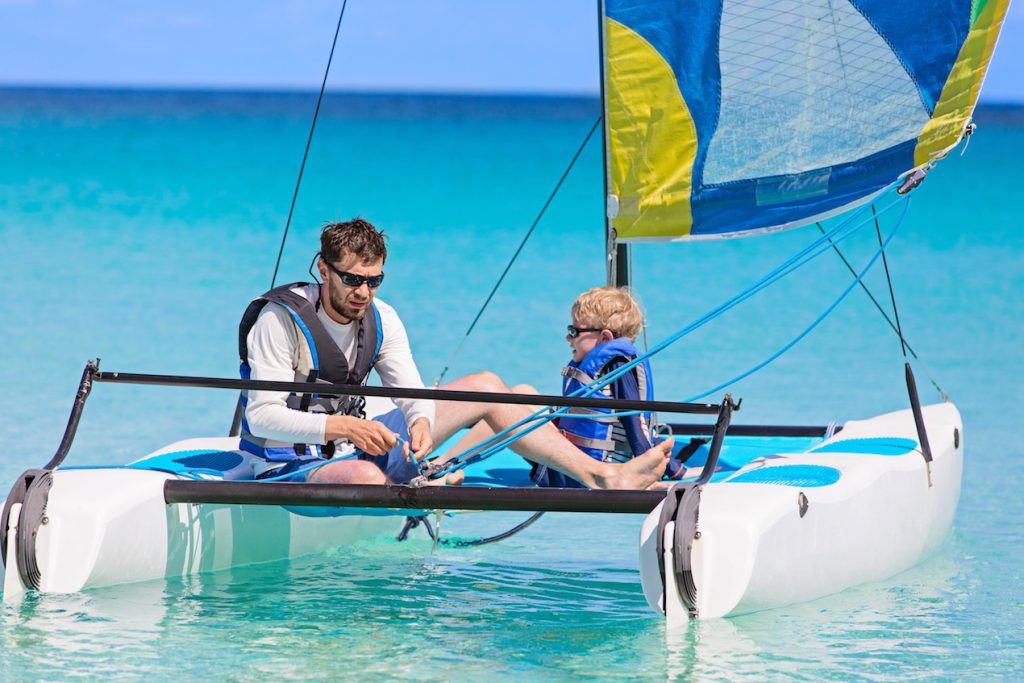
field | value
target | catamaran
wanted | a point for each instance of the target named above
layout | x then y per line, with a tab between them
719	120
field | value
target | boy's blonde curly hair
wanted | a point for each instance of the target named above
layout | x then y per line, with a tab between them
612	308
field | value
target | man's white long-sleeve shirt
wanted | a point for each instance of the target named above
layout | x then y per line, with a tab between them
273	355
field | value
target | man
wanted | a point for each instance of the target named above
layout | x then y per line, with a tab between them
336	332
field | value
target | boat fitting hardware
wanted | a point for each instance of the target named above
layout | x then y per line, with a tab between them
802	504
915	178
16	496
721	427
681	505
33	510
92	370
922	433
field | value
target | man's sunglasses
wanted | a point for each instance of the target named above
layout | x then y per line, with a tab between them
353	280
577	331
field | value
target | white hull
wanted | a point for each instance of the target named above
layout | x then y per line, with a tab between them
755	551
112	526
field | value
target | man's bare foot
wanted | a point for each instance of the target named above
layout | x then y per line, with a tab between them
640	472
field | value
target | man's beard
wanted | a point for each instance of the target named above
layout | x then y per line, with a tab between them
339	306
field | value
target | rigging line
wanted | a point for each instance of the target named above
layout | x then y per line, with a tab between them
470	542
236	420
885	315
892	295
501	440
508	266
867	291
478	453
858	278
309	141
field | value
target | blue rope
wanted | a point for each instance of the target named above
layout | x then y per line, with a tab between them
509	435
506	437
310	468
315	466
857	279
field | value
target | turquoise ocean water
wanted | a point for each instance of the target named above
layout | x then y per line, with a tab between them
135	226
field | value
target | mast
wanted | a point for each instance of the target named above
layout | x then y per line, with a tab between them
616	254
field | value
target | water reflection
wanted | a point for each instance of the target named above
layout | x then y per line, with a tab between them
385	610
876	630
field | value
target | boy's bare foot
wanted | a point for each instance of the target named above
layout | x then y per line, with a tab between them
640	472
690	474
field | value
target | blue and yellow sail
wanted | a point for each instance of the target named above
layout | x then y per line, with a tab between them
733	117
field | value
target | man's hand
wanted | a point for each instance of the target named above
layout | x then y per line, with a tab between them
369	436
420	440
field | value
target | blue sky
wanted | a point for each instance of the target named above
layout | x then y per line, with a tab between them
544	46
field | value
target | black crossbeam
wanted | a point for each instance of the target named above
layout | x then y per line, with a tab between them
752	430
411	498
326	389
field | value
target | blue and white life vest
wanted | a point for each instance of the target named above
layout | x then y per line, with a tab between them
319	360
603	438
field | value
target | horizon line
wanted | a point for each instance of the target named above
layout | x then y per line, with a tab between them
298	90
369	91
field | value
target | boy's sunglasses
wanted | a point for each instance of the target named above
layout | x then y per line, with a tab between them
577	331
353	280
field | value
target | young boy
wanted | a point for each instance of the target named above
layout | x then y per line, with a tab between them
605	323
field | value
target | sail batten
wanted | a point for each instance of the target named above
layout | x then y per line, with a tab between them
744	116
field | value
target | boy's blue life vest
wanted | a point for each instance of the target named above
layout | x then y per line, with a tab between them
603	438
320	360
606	438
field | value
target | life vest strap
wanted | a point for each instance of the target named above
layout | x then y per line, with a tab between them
586	442
572	372
593	411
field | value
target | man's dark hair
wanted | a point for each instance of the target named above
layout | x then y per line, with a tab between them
357	236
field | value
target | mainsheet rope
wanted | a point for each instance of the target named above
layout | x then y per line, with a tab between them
508	266
505	437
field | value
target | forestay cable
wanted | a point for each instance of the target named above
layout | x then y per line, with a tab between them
508	266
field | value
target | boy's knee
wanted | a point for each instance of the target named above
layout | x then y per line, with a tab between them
486	381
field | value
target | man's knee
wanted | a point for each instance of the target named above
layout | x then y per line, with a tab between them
525	389
349	472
